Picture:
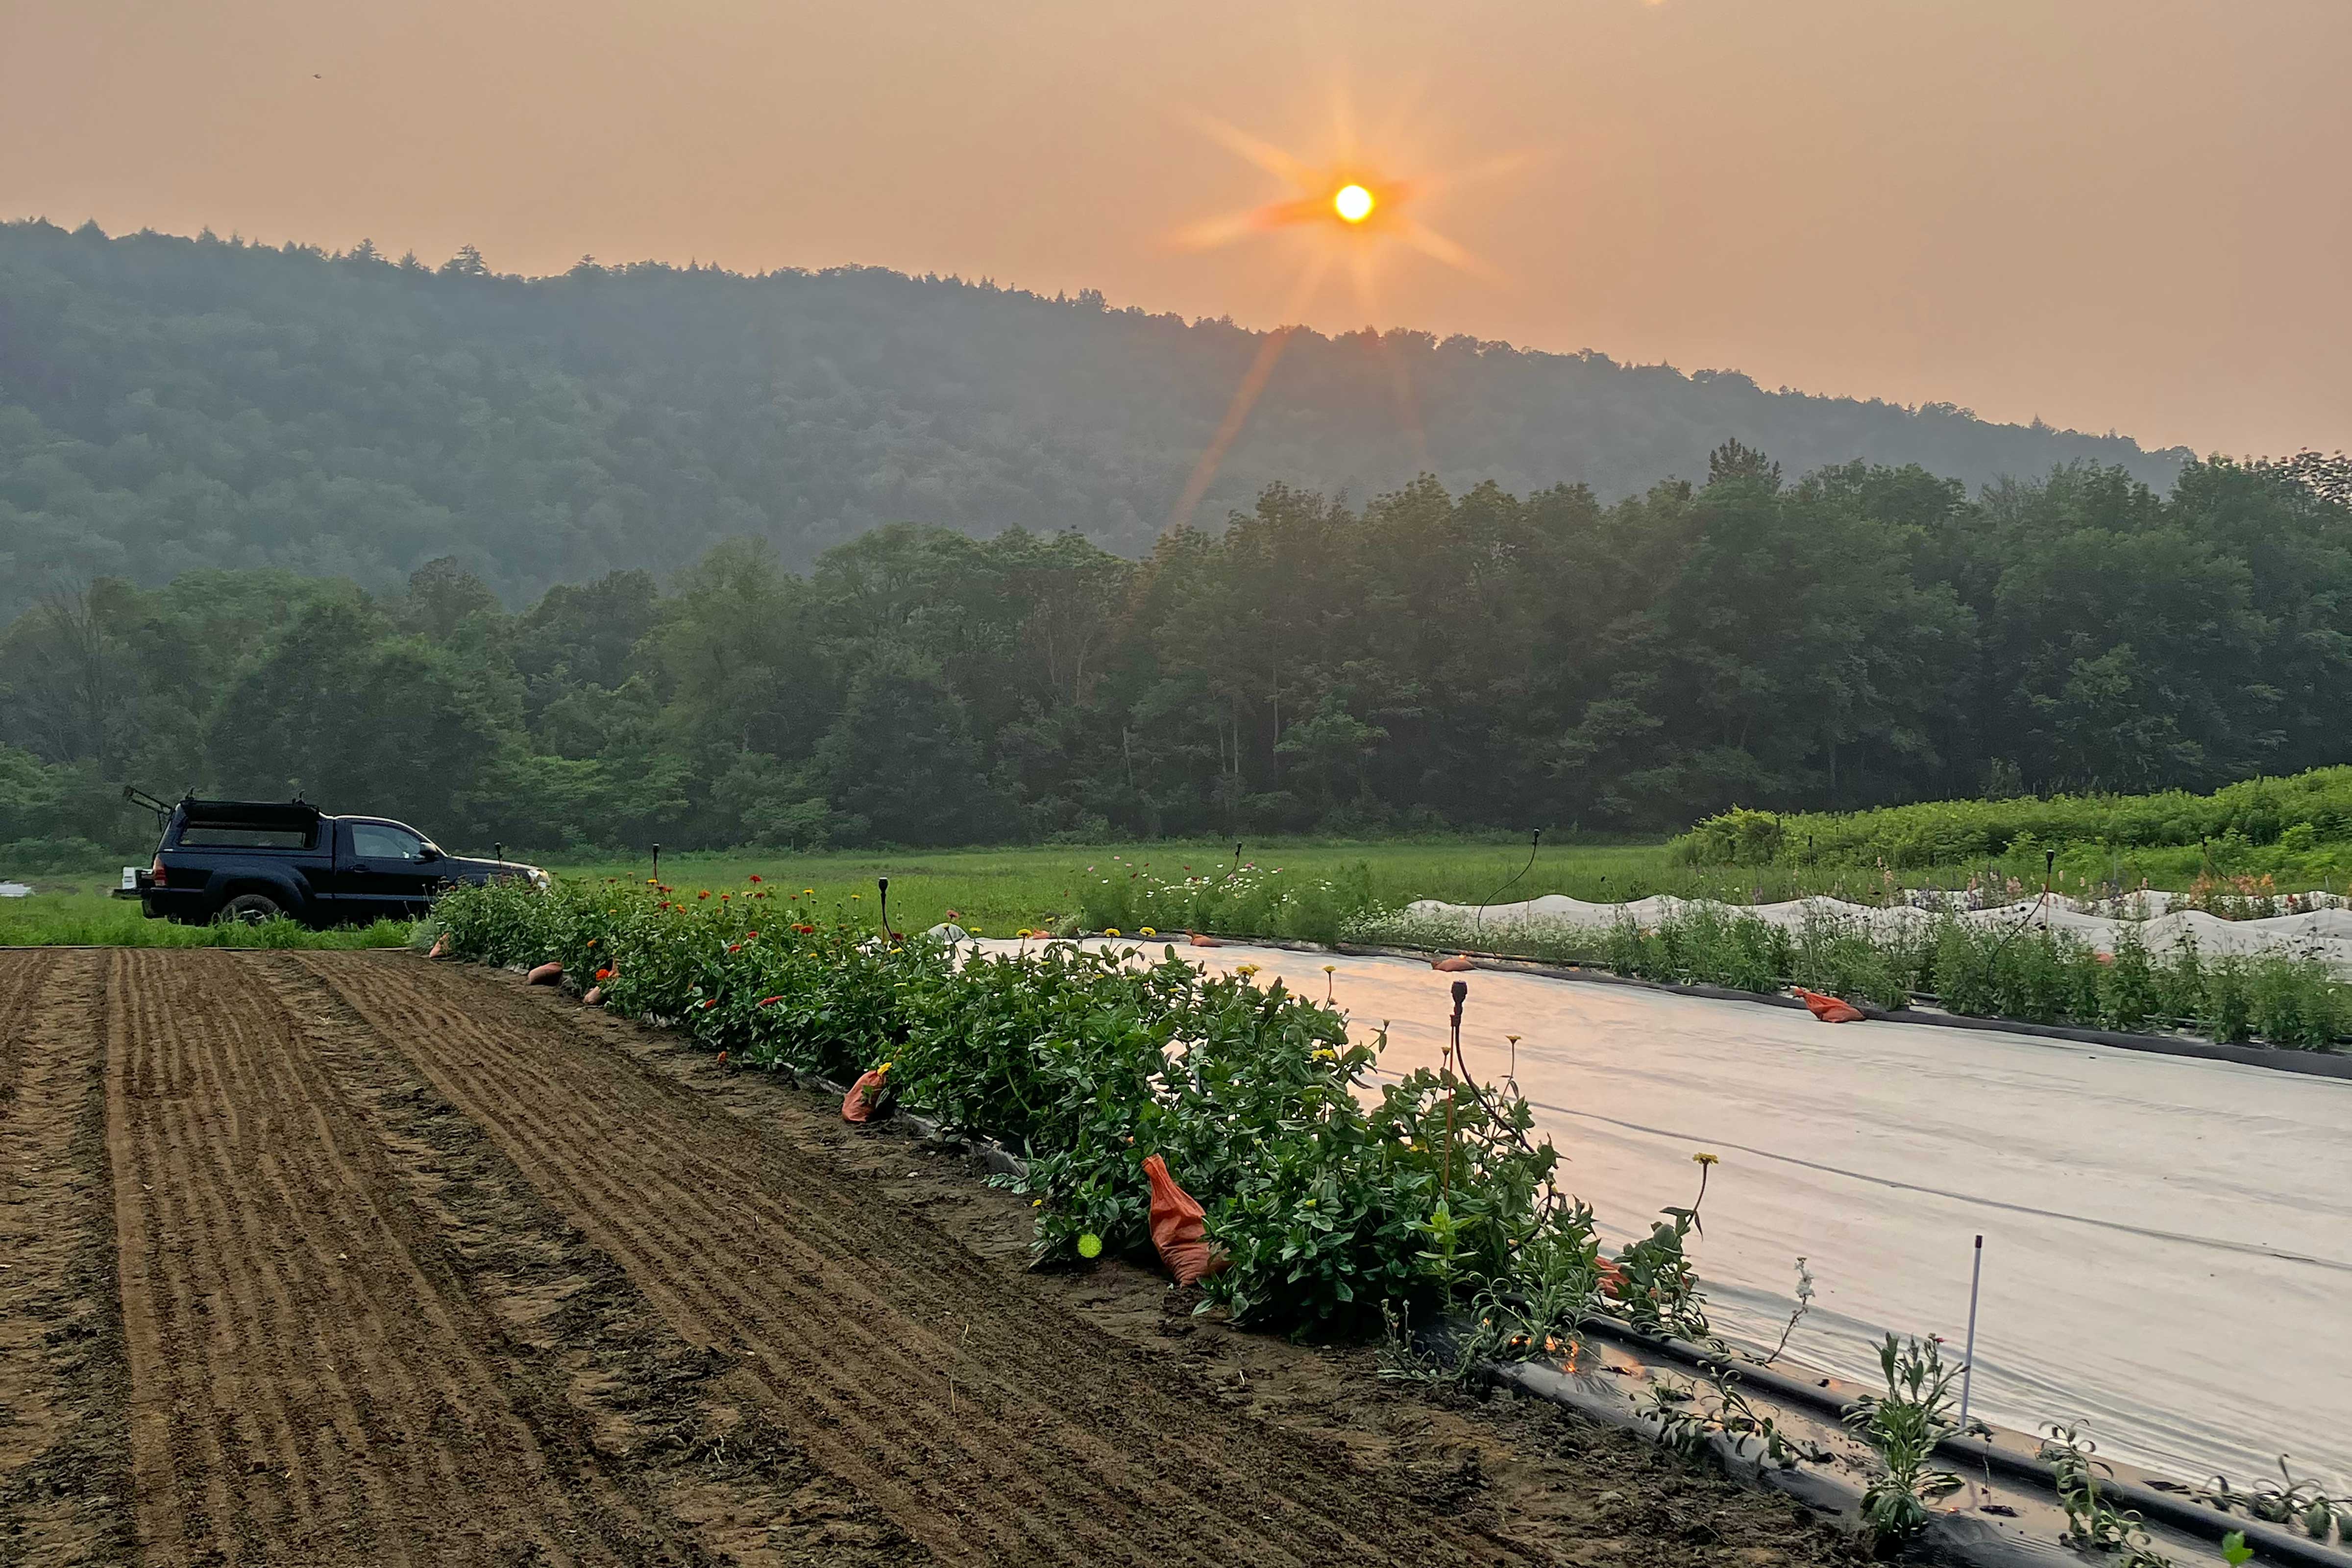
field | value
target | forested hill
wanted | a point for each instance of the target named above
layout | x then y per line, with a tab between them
169	404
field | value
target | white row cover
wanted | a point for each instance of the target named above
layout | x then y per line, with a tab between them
2168	1253
2322	932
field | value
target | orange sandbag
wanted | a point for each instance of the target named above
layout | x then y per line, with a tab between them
595	997
1177	1227
865	1095
1197	940
1828	1009
1613	1279
547	974
440	946
1456	965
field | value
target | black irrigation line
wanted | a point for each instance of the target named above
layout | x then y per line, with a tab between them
2208	1523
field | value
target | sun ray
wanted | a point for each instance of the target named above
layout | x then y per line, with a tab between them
1429	242
1356	205
1264	154
1261	370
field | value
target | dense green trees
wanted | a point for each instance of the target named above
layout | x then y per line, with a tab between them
1857	636
169	404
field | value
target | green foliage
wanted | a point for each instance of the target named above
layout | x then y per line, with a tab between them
201	402
1903	1425
1088	1059
828	661
1124	894
2094	1523
1736	837
2297	816
2037	975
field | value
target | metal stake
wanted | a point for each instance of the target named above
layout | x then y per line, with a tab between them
1969	1367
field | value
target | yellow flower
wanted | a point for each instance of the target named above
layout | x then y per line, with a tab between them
1149	932
1334	969
1708	1159
1090	1246
808	892
1110	931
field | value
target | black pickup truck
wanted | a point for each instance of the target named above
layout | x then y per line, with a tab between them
250	860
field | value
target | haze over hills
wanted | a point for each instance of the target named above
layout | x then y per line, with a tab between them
169	404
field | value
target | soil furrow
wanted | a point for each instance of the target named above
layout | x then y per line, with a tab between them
379	1427
833	1336
570	1303
1063	1397
343	1258
64	1493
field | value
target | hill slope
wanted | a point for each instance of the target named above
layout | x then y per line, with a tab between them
168	403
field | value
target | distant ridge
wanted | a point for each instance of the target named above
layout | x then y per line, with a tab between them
168	402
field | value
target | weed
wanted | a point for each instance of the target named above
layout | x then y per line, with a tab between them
1903	1425
2094	1523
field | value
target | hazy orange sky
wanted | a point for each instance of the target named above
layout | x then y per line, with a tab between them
2112	214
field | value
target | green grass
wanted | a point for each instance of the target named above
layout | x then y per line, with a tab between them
1000	890
76	917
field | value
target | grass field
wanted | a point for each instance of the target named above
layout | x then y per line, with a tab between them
994	890
999	890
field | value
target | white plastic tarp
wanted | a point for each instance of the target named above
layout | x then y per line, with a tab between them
2167	1240
2323	931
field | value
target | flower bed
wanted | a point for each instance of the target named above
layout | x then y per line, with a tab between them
2033	974
1333	1204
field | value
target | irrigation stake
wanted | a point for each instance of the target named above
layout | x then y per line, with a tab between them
1453	1056
1969	1362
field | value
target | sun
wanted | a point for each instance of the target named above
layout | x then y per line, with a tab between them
1358	208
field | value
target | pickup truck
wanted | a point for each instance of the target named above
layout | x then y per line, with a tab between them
253	860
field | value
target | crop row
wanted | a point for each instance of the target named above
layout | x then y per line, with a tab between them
1334	1203
2014	970
2299	814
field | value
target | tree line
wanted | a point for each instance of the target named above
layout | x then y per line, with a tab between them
1428	661
168	405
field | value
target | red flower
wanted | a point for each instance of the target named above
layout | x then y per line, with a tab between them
734	947
804	931
765	1000
755	876
704	894
751	936
710	1002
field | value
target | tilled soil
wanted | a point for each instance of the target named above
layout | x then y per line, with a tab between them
351	1258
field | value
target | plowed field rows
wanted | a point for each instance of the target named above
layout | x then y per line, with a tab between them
349	1259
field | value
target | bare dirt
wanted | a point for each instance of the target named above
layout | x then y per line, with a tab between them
330	1258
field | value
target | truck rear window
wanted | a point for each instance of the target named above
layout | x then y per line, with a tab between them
213	835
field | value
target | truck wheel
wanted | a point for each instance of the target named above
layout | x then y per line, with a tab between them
249	909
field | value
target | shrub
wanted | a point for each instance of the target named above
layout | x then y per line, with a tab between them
1088	1059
